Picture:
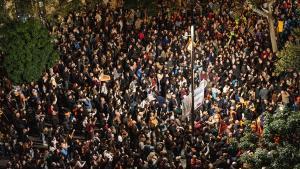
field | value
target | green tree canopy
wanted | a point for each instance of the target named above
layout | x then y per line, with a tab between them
28	50
289	56
278	147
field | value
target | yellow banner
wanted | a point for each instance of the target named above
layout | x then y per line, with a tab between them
280	26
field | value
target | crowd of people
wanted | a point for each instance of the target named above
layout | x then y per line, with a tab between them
135	119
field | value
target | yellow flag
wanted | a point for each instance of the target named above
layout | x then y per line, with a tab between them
280	26
189	45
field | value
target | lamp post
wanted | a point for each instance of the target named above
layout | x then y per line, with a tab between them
192	85
191	35
193	76
192	69
192	62
192	66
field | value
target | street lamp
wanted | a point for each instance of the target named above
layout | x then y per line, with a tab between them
192	61
192	69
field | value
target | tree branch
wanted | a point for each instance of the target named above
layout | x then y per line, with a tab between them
266	11
271	2
260	12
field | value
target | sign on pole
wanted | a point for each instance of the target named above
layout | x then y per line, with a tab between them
198	98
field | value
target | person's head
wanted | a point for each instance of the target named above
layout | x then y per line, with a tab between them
18	115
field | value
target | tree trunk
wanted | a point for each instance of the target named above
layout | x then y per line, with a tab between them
268	15
272	29
272	34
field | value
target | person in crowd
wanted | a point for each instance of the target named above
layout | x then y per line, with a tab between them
135	118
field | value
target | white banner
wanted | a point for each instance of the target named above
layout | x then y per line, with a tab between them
199	94
198	99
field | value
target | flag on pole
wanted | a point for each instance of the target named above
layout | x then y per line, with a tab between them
189	45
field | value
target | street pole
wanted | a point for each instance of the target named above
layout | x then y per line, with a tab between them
192	62
192	69
192	115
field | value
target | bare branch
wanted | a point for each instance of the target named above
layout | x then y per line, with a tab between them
266	11
261	12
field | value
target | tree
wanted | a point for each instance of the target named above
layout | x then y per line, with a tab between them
263	8
296	33
267	13
278	147
288	59
4	17
28	50
148	5
289	56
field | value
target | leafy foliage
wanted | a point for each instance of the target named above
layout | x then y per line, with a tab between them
4	18
64	7
288	58
278	147
149	5
296	34
24	8
249	141
28	50
67	7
